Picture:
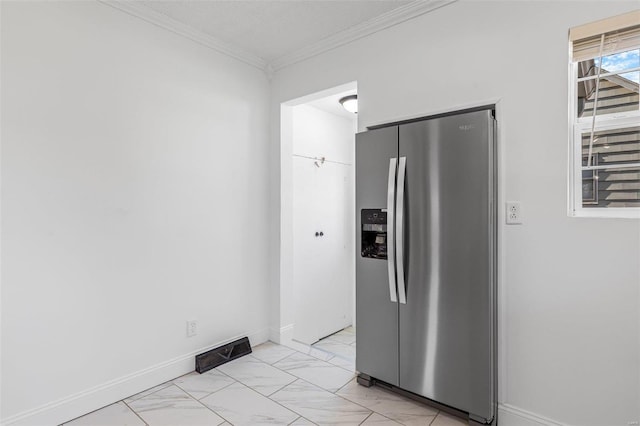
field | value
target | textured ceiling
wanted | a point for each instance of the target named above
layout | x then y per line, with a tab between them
272	28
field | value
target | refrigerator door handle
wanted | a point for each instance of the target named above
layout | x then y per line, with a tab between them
391	195
402	169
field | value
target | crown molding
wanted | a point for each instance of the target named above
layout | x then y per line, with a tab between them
386	20
140	11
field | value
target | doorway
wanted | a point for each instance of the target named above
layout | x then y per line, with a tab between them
317	224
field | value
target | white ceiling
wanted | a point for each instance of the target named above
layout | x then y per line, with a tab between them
332	104
272	29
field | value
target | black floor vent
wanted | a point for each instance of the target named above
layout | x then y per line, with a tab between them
218	356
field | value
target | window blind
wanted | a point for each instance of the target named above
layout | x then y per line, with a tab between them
621	33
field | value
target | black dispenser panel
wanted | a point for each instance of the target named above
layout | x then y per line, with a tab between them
374	233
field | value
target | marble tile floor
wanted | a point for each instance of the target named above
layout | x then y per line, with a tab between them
275	385
342	347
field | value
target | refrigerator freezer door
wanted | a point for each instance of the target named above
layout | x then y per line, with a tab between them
446	326
376	313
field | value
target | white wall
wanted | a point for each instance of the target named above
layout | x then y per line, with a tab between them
134	196
570	337
317	133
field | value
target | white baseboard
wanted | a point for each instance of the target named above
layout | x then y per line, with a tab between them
72	406
281	335
255	338
508	415
274	335
286	333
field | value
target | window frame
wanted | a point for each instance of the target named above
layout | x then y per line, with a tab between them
577	126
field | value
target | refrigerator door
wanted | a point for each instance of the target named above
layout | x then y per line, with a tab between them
376	312
446	325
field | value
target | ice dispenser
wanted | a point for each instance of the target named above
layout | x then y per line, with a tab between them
374	233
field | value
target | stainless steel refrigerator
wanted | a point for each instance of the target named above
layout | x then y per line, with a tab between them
426	261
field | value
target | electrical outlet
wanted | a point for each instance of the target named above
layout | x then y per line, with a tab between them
192	328
514	213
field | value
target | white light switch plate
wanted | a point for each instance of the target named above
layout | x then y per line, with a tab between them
513	214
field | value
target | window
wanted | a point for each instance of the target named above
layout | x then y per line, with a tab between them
604	118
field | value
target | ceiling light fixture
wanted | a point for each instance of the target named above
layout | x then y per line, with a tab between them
350	103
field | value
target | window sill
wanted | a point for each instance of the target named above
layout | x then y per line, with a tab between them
607	213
